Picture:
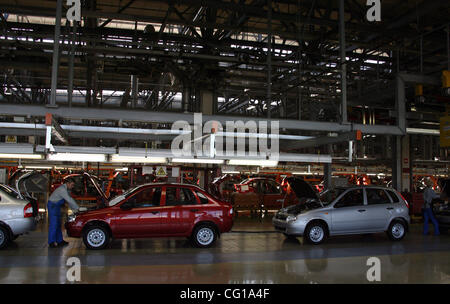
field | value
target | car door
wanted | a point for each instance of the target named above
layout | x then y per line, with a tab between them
379	206
349	213
272	196
179	211
139	215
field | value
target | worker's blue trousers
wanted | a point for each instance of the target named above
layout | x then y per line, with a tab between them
428	215
54	218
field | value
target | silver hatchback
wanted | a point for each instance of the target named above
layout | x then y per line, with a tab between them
17	216
357	210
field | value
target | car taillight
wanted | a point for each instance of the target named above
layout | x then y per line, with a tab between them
28	211
406	202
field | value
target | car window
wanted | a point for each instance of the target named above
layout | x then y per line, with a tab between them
78	188
90	188
148	197
329	195
393	196
271	187
377	197
10	191
350	199
202	197
179	196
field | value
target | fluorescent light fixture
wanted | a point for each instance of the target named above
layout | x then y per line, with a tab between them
77	157
302	173
116	158
198	160
253	162
423	131
39	167
125	169
21	156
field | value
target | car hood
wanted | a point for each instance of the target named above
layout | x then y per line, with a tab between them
307	205
302	189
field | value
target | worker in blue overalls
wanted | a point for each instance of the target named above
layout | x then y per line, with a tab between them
428	196
55	201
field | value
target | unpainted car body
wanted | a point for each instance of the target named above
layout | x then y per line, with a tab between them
356	210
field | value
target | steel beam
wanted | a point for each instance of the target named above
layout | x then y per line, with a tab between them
326	140
166	117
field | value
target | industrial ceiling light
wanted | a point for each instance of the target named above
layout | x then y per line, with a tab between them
39	167
21	156
77	157
253	162
198	160
116	158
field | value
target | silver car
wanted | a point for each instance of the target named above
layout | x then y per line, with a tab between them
357	210
17	215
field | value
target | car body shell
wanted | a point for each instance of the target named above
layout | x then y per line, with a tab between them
157	221
87	191
260	193
12	214
359	219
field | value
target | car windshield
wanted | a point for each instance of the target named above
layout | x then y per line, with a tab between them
329	195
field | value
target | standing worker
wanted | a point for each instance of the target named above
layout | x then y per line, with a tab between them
428	196
55	201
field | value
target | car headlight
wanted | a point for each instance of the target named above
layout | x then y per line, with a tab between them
71	218
291	218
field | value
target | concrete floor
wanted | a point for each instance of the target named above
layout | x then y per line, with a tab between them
252	253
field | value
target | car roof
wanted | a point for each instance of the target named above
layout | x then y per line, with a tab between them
169	184
365	187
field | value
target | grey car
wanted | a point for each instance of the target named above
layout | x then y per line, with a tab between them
17	215
344	211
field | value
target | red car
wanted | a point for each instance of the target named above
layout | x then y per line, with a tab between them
155	210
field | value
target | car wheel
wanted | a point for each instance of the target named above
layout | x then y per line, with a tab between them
204	236
96	237
4	237
397	230
315	233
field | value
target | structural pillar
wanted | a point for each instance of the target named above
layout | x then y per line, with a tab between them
207	102
71	63
327	171
406	164
397	163
55	60
343	62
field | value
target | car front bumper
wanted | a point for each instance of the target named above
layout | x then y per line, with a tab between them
294	228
